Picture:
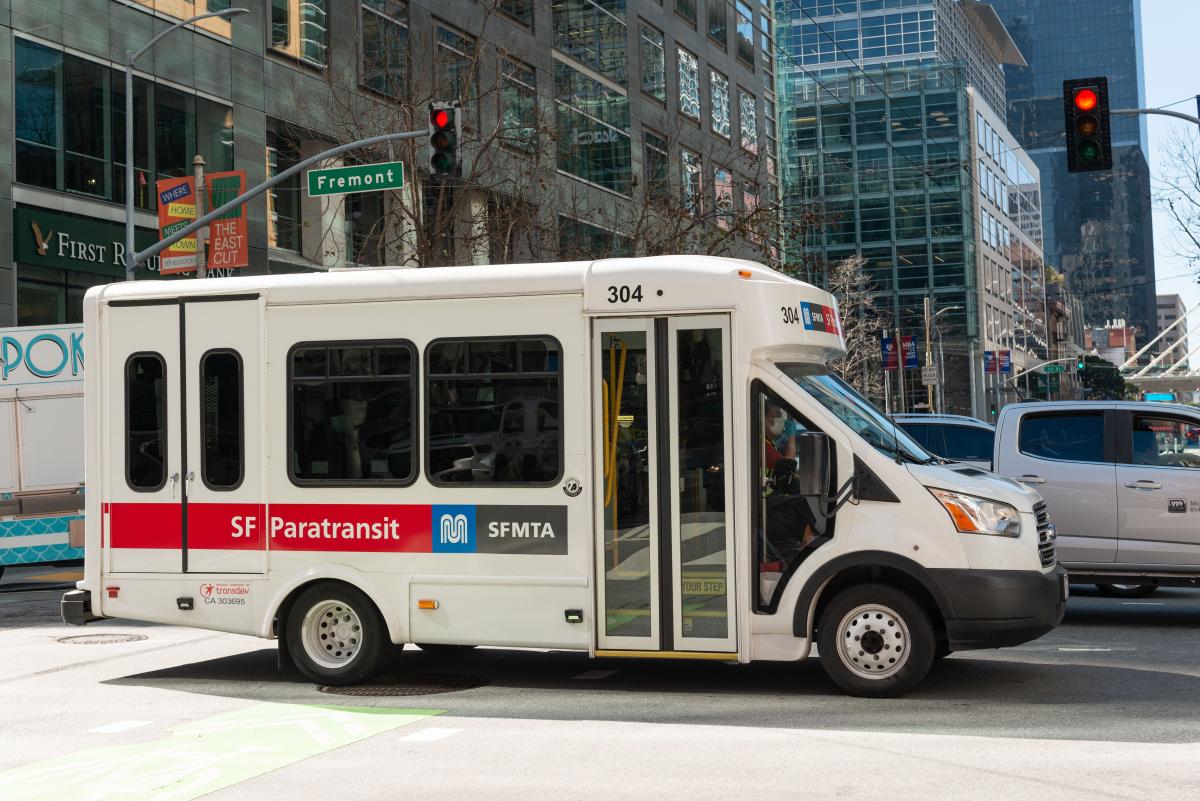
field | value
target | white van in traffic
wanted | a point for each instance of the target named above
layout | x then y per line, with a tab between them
630	457
1122	480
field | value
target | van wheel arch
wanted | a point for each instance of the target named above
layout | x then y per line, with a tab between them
871	567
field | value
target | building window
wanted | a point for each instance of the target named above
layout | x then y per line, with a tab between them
283	200
69	116
146	422
518	104
520	10
48	296
766	45
772	142
693	199
578	241
494	411
221	419
300	29
654	64
748	121
454	62
385	47
656	165
718	22
352	413
723	197
593	130
593	33
686	9
745	32
689	85
719	97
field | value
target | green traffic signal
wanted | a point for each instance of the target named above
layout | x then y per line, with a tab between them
1088	150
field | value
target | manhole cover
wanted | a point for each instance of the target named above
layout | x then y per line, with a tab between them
409	685
101	639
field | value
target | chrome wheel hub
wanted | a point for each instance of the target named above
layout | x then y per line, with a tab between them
331	634
873	641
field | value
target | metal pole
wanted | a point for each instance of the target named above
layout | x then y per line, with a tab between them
202	234
1162	111
941	372
130	248
928	358
255	191
887	382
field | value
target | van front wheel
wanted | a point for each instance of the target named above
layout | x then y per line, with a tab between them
875	641
335	635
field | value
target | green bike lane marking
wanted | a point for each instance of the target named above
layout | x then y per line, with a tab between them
203	756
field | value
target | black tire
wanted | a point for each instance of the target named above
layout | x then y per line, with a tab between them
442	648
1127	590
875	616
363	635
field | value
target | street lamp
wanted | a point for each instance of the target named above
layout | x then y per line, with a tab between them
942	357
130	57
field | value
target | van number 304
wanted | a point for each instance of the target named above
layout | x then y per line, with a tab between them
791	315
625	293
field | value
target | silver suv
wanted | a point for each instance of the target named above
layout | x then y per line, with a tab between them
952	436
1122	483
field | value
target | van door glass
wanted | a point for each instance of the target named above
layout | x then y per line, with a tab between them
1166	442
145	417
704	596
625	426
221	419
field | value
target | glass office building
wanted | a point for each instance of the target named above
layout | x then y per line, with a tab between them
891	148
1098	228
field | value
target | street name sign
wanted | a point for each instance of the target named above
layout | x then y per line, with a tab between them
1055	368
358	178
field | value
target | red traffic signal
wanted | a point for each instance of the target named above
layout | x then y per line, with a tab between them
445	131
1086	99
1088	134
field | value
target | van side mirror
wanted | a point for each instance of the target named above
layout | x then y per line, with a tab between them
813	464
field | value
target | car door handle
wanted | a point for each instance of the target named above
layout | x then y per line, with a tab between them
1031	479
1143	485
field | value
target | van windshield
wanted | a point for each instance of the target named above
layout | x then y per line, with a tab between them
855	411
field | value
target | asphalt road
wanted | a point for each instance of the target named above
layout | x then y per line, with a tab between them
1108	705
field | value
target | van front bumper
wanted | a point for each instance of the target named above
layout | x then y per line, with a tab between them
999	608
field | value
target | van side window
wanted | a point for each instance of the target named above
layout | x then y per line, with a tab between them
352	413
146	422
1160	441
488	406
1066	437
787	526
221	419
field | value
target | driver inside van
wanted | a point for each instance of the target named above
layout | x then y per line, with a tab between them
790	526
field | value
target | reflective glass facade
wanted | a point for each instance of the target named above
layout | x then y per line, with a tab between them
1098	228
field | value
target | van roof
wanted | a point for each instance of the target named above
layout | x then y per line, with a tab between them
678	281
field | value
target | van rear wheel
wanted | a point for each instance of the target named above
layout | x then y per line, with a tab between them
335	635
876	641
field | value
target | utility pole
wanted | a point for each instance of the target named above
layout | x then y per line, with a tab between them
928	358
202	234
887	382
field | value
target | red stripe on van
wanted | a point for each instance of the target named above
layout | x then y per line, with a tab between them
226	526
146	525
372	528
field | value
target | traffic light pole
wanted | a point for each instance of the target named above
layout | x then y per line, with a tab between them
136	258
1164	112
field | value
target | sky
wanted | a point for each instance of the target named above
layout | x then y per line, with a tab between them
1169	44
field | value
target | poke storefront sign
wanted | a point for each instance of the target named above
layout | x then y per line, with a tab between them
46	238
41	354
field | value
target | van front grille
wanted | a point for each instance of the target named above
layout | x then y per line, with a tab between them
1046	536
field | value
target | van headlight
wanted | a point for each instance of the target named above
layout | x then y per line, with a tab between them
973	515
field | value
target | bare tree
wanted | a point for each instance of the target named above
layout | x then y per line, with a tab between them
862	320
1178	192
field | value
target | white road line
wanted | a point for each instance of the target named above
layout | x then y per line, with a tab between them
430	735
119	726
1143	603
1085	649
593	675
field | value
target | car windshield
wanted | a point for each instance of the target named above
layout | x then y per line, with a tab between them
856	411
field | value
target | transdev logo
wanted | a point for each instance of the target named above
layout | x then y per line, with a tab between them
453	529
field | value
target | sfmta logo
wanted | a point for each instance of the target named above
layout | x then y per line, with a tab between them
454	530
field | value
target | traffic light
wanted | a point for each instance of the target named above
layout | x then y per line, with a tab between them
1079	365
992	410
1089	137
445	133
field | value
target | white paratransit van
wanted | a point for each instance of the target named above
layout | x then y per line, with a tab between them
629	457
